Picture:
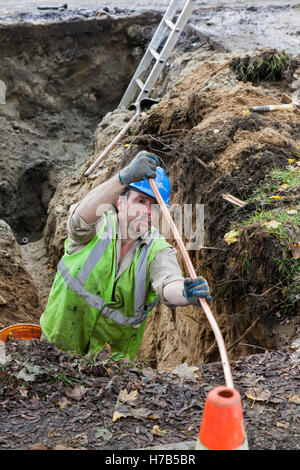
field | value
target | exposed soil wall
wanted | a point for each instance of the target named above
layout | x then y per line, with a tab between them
61	79
19	301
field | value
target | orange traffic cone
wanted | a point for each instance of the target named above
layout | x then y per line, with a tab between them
222	426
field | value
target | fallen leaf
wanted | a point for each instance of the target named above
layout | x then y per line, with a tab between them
252	380
62	447
125	411
81	416
124	396
275	197
63	402
37	446
23	391
76	393
282	425
272	224
157	431
79	439
291	160
258	394
295	344
149	374
117	416
295	399
29	372
32	418
186	372
231	237
104	433
296	250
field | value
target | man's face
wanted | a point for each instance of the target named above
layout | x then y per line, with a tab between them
135	211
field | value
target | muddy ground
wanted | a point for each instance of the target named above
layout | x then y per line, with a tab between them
50	401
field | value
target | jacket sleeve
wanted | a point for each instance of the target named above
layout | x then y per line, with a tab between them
79	232
163	270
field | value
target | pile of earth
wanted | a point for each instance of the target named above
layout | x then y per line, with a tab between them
210	145
52	401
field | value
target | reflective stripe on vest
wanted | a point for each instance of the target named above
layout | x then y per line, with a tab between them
77	285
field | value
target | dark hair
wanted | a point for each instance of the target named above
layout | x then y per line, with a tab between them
122	194
125	191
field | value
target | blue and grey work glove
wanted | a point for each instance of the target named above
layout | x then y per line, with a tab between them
142	166
195	288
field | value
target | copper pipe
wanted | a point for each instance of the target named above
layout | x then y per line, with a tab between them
193	275
108	149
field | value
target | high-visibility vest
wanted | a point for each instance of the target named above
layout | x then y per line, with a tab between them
86	307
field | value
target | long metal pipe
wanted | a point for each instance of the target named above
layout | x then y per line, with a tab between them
193	275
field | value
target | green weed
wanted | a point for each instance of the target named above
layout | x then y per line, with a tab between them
61	377
268	65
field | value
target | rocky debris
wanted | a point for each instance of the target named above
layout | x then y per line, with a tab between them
19	301
50	400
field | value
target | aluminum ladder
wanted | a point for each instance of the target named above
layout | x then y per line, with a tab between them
137	89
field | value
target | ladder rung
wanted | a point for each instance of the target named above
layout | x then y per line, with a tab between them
140	83
156	56
170	24
154	53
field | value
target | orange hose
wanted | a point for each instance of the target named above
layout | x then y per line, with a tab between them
193	275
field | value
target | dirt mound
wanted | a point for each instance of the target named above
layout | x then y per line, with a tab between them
50	400
211	146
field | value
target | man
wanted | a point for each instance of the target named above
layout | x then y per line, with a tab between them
116	266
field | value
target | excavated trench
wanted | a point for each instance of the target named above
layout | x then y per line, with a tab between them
61	78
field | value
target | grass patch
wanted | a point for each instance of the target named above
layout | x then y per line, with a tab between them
280	218
268	65
278	184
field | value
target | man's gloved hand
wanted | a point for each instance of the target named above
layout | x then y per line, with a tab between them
195	288
142	166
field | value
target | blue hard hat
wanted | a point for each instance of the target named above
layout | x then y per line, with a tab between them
162	182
